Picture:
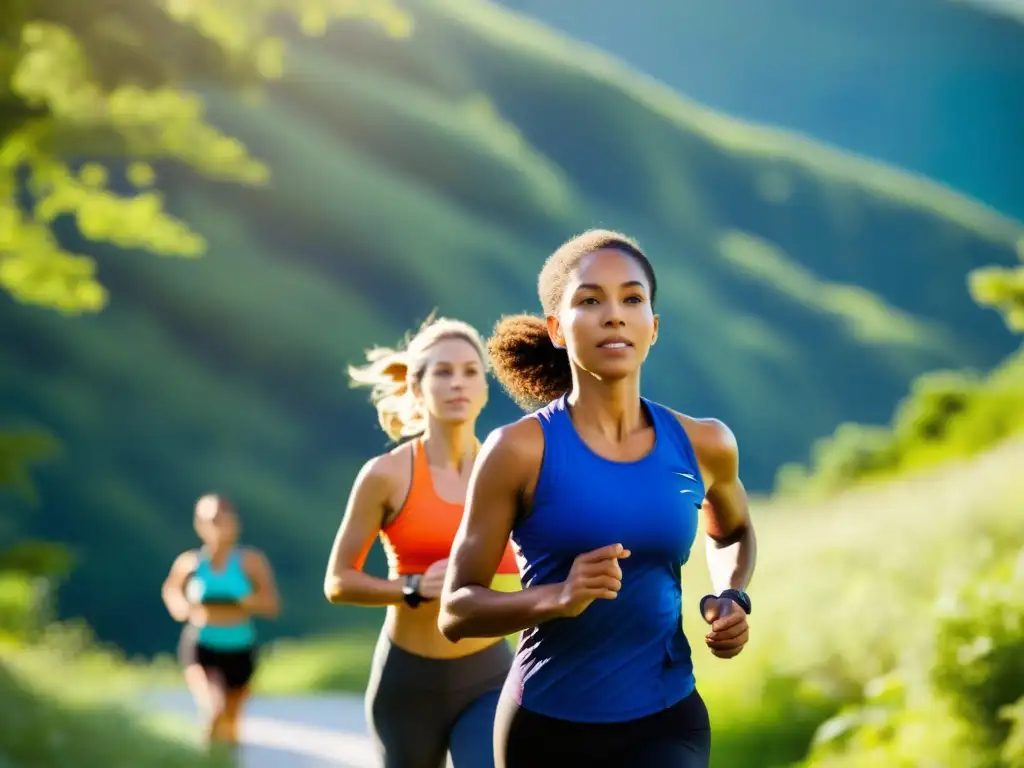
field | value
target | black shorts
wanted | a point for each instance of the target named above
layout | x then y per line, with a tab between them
677	737
233	668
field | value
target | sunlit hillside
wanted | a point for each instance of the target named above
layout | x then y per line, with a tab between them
800	287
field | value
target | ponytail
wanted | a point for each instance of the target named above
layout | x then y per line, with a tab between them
527	364
389	372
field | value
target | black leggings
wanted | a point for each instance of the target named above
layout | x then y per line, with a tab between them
677	737
420	710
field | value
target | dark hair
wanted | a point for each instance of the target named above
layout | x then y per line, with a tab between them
531	369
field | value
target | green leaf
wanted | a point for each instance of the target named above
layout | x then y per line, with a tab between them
109	82
19	449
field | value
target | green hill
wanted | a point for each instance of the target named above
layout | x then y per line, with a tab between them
801	288
921	84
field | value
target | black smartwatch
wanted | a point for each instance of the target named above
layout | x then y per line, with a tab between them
738	596
411	590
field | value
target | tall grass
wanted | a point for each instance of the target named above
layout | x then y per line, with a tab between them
847	591
64	703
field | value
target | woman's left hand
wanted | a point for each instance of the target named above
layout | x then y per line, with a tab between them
729	631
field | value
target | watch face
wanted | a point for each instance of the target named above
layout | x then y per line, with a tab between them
412	583
412	598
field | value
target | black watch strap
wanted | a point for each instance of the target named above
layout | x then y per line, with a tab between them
741	598
411	590
704	600
738	596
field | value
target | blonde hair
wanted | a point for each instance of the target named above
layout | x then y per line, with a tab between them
389	371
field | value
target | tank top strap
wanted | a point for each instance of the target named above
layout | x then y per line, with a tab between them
554	420
554	416
421	487
236	561
202	559
556	425
676	439
421	483
414	495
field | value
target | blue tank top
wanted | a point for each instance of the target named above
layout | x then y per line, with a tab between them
626	658
229	584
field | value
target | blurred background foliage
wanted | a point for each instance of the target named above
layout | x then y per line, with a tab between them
207	210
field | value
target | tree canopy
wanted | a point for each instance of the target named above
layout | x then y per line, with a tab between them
81	83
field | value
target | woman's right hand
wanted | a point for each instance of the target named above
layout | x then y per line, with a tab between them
432	580
594	575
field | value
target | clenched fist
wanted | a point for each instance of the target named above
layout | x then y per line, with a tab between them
594	575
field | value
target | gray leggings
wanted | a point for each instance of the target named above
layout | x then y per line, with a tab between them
419	709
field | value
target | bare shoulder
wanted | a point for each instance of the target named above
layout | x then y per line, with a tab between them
254	558
713	442
187	560
518	446
185	563
388	471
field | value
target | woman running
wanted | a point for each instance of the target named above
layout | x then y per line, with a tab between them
600	490
427	697
216	591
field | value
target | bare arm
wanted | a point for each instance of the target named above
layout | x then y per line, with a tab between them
508	459
264	600
173	589
345	581
731	544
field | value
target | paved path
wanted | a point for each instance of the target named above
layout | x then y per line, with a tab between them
291	732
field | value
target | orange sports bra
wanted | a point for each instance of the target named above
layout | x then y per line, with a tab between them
423	530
